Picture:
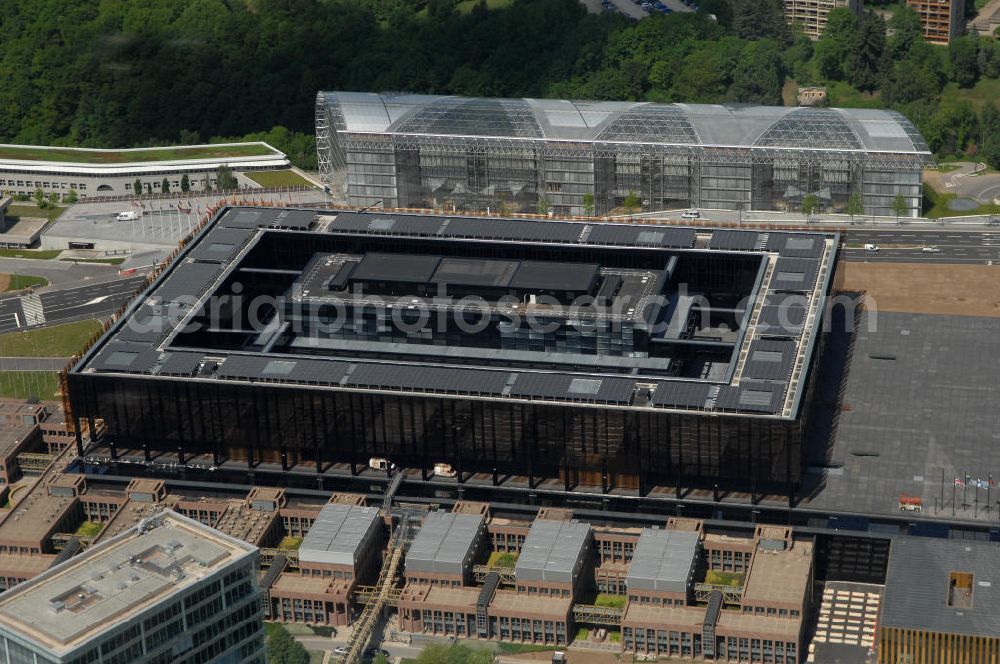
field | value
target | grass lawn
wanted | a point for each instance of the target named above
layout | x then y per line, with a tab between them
50	213
290	543
582	634
21	281
56	341
42	254
106	261
89	529
517	648
936	206
717	578
39	153
842	95
946	168
610	601
26	384
283	178
986	90
614	635
499	559
315	657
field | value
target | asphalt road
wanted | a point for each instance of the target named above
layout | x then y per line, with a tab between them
58	273
91	300
905	246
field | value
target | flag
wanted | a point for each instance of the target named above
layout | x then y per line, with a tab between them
959	482
990	481
981	484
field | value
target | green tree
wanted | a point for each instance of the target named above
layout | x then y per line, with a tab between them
907	32
760	19
281	648
380	659
871	61
225	179
40	198
759	75
185	183
963	53
837	48
588	204
137	187
71	196
854	205
632	201
810	204
543	205
900	207
456	654
53	198
165	186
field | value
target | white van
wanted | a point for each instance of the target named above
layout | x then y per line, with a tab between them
872	248
128	215
690	214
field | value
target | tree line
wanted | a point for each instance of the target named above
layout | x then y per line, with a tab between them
156	72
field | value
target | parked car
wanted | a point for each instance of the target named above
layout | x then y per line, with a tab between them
690	214
872	248
931	250
340	650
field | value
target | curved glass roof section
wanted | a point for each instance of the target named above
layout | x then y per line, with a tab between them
702	125
651	123
815	127
457	116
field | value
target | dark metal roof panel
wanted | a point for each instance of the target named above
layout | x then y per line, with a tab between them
511	229
434	379
751	396
796	245
278	368
681	394
221	243
180	363
797	274
188	280
126	358
733	240
565	387
650	236
770	359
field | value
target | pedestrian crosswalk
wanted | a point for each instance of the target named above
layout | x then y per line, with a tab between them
34	313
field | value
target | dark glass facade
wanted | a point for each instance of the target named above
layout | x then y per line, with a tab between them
594	446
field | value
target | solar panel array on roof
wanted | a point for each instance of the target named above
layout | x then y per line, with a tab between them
796	245
387	223
144	325
475	272
339	534
731	240
770	359
620	234
261	367
562	387
683	394
783	314
663	560
221	243
298	220
126	358
187	281
751	396
180	363
510	229
434	379
552	551
242	218
798	274
446	543
402	268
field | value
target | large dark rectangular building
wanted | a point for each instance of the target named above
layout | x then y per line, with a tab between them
602	354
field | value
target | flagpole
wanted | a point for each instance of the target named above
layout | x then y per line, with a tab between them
965	491
953	496
989	483
942	487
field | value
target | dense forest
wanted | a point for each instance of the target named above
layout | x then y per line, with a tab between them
115	73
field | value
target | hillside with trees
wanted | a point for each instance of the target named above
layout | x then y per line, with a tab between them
148	72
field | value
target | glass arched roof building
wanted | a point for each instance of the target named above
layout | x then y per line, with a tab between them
576	157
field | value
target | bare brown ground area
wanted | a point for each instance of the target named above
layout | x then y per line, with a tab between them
4	282
954	290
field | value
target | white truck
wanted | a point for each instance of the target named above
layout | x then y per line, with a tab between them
127	215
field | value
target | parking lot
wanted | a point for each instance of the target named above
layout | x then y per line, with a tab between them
637	10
